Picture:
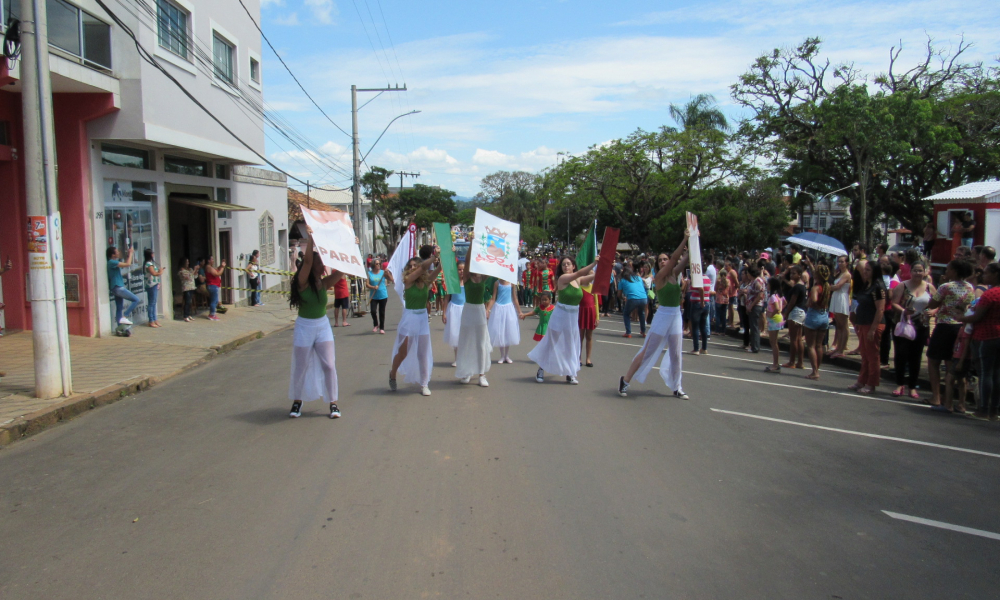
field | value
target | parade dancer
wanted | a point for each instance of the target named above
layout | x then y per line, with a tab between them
666	330
314	359
452	317
473	336
559	351
411	354
502	312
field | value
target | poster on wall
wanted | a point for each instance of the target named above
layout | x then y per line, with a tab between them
334	239
494	247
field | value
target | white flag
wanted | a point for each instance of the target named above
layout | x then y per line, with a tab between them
494	247
334	239
405	250
698	279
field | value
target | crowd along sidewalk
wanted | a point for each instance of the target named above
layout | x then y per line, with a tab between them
110	368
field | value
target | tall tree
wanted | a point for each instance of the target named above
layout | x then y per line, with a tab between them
375	186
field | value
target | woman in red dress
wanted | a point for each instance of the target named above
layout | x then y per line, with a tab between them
588	322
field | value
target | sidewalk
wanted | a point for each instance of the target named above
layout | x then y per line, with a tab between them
110	368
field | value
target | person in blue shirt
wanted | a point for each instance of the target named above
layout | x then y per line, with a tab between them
635	294
376	283
116	284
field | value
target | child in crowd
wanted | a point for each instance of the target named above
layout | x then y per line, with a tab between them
775	306
544	311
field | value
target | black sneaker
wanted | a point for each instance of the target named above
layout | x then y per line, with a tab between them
334	411
622	387
680	394
540	376
296	411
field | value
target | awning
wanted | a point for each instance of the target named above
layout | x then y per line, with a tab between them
203	201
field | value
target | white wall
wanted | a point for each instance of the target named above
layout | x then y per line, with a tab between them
263	197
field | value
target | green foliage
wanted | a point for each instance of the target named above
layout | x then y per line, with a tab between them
426	217
466	217
412	200
533	235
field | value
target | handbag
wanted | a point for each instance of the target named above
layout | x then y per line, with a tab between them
905	329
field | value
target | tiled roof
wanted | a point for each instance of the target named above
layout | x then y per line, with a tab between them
297	199
982	190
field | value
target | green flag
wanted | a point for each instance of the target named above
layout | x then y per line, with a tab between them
448	265
588	250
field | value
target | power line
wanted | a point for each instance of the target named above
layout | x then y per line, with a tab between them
146	56
287	68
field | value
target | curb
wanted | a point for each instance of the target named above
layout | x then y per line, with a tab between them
843	362
38	421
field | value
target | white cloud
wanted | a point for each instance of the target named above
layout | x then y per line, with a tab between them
532	160
289	19
323	10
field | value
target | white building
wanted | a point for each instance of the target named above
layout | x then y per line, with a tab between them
140	164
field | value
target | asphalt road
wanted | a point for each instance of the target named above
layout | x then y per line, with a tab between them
204	488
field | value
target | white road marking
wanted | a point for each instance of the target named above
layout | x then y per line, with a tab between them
750	360
859	433
942	525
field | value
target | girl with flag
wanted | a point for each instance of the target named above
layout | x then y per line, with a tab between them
412	353
474	347
502	313
559	350
666	330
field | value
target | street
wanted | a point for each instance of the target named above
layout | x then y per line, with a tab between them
759	486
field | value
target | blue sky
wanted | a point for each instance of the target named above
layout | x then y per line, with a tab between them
508	85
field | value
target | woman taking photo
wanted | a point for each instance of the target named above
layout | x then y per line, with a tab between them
634	292
411	354
909	301
817	318
213	277
871	296
376	283
151	275
314	359
840	306
666	332
559	351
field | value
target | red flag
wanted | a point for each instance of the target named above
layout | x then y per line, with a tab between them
606	261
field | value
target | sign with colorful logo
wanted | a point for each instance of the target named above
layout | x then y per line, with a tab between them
494	247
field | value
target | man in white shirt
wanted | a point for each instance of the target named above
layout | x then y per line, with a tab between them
522	264
711	275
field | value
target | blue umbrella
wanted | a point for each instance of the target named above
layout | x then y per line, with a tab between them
819	242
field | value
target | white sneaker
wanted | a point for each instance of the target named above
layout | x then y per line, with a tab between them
572	380
500	362
425	391
540	376
124	321
483	382
465	379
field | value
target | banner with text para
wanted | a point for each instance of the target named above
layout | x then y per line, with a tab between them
334	239
694	253
494	247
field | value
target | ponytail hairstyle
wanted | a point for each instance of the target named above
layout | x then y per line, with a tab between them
295	297
823	279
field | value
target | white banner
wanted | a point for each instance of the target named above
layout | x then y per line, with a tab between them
405	250
694	253
334	239
494	247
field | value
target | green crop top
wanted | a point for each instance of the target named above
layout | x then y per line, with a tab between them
415	298
312	305
475	292
669	295
570	295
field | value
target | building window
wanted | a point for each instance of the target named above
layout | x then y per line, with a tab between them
221	171
266	238
806	222
172	27
185	166
222	195
254	70
79	33
120	156
822	223
222	58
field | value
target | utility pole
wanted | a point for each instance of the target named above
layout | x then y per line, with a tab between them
401	173
50	337
308	199
356	187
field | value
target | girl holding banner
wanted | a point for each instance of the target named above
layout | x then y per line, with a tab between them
474	347
314	359
559	351
411	354
453	306
504	323
666	330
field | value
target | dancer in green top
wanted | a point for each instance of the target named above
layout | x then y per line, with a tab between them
559	350
666	330
474	349
314	358
411	354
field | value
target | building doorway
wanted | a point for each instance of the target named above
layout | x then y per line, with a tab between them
226	254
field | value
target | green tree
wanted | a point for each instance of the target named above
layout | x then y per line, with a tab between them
375	187
511	195
466	217
426	217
